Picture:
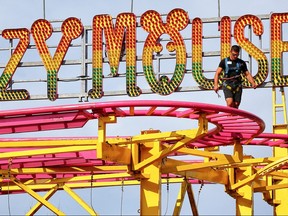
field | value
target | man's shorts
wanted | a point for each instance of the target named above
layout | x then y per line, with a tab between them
233	92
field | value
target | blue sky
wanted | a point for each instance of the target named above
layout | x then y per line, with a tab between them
212	199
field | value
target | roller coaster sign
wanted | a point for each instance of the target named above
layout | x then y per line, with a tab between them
125	27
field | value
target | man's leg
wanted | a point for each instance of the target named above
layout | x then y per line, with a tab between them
237	97
230	102
228	96
236	104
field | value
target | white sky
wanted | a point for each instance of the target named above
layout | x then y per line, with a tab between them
212	200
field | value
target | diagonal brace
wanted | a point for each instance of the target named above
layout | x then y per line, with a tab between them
37	197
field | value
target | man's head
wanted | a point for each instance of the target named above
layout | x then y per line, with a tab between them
234	53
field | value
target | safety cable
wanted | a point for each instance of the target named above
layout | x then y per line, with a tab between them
202	184
122	195
91	192
9	175
167	200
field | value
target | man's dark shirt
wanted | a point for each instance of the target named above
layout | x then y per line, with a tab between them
235	68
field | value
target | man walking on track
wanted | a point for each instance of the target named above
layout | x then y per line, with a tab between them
233	68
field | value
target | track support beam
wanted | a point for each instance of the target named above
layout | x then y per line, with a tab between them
150	188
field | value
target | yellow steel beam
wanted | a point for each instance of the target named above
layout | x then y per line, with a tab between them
48	143
237	157
180	198
102	121
185	186
280	198
191	199
37	197
44	151
181	166
147	137
257	161
89	177
52	170
201	153
203	123
38	205
238	150
229	160
150	188
261	172
267	194
135	156
244	203
271	187
164	136
189	137
40	187
280	127
78	179
279	175
78	185
79	200
107	151
276	106
115	153
20	143
208	174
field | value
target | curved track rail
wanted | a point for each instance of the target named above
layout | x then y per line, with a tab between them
40	164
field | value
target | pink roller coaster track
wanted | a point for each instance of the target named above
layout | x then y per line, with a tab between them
228	124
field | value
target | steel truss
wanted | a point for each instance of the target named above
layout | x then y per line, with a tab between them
148	159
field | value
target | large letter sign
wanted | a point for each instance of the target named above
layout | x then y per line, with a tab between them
277	48
118	38
24	36
124	31
152	22
41	30
251	49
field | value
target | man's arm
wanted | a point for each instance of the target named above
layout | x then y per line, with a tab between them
216	79
250	79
